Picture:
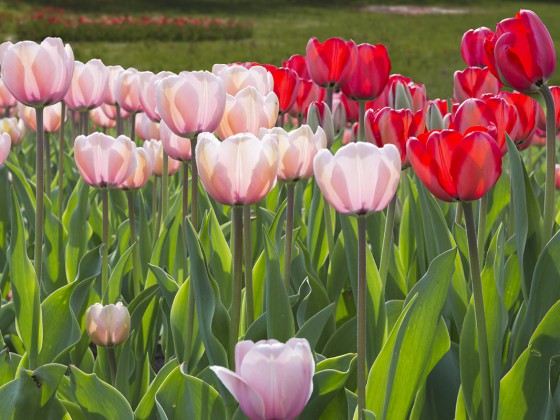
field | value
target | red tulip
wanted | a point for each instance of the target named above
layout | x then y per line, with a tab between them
390	126
307	92
455	166
351	108
286	83
472	46
521	52
473	82
527	112
331	63
541	121
371	73
298	64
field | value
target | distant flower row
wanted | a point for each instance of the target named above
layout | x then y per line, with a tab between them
75	28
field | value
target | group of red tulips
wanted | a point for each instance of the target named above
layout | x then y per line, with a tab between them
244	127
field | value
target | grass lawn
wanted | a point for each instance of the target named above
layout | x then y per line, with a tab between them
425	47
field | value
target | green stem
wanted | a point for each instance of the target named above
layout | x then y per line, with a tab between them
105	254
237	280
362	127
164	185
84	122
120	128
459	214
47	165
300	120
136	270
361	315
185	189
387	241
191	301
112	364
155	214
328	226
480	316
247	243
133	127
548	217
330	91
290	187
61	146
482	211
194	184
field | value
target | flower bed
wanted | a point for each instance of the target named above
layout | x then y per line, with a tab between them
80	28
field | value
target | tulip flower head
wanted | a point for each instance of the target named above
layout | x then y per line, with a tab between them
178	148
319	115
127	90
297	63
114	73
100	119
272	380
15	128
7	100
331	64
109	325
472	46
527	115
88	87
142	172
5	145
155	149
146	128
307	92
148	92
360	178
473	82
286	86
236	78
52	117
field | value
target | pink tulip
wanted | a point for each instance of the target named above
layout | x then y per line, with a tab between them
111	111
237	77
114	73
143	171
296	151
100	119
272	380
360	178
5	144
7	100
3	49
108	325
240	170
178	148
472	46
307	93
148	92
127	90
104	161
473	82
145	128
38	74
52	117
248	112
155	149
15	128
191	103
89	83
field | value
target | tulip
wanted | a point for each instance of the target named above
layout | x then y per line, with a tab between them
557	177
155	149
297	63
271	380
351	108
307	92
434	116
103	161
472	46
5	144
146	128
3	49
286	84
236	78
127	90
7	100
409	95
248	112
148	92
111	111
109	325
527	113
339	116
142	172
15	128
176	147
331	64
390	126
473	82
88	87
371	73
114	73
319	115
52	117
100	119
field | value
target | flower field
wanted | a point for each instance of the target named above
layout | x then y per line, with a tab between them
313	239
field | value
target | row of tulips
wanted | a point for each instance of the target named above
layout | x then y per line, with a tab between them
165	279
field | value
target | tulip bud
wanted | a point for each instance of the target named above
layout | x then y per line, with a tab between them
108	325
319	115
434	119
400	96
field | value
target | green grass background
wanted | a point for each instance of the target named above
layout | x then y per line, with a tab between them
426	48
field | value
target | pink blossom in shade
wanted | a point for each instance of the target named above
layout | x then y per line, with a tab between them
148	92
15	128
272	380
191	103
6	97
473	82
145	128
143	171
539	138
38	74
472	46
127	90
88	86
248	112
178	148
557	176
103	161
100	119
5	145
114	72
296	150
155	150
52	117
237	77
108	325
111	111
360	178
240	170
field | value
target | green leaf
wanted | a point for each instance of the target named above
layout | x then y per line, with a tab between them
178	323
314	326
25	193
316	233
167	284
25	288
8	365
146	408
185	397
54	275
418	341
79	230
118	272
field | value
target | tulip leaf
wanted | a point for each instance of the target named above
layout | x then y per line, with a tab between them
178	321
167	284
146	408
313	327
96	398
117	273
416	344
25	288
25	193
8	365
54	275
316	233
280	321
343	340
181	396
78	227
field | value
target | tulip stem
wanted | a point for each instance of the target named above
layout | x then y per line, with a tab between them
247	243
191	301
155	214
362	127
290	188
84	122
330	91
387	241
61	164
47	165
548	217
39	216
105	249
459	214
120	129
112	364
136	273
480	316
194	184
133	127
361	315
164	186
482	210
185	190
300	120
235	315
